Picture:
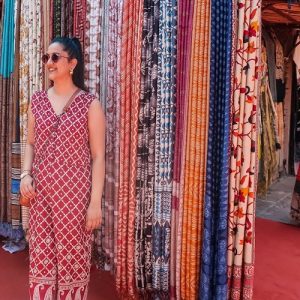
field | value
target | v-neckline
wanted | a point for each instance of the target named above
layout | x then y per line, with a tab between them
74	98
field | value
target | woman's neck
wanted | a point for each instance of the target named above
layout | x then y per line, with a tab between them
64	87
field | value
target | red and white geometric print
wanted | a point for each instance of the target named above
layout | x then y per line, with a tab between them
59	245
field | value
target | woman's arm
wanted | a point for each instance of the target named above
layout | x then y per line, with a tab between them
27	186
96	126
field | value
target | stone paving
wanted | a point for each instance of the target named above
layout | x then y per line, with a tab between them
276	204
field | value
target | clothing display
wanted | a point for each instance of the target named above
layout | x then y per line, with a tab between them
178	81
279	118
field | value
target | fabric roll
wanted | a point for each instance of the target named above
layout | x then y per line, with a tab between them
243	161
130	92
214	247
164	143
195	155
146	148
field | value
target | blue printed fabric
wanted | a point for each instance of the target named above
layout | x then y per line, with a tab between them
213	279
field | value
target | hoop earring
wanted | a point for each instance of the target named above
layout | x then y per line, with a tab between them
71	71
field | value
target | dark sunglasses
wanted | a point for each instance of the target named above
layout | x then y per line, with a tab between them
54	57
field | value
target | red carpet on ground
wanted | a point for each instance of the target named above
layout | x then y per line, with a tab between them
277	261
14	279
277	268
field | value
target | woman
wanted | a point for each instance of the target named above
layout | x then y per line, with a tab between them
63	176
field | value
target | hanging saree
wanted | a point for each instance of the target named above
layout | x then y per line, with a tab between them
146	151
242	180
130	94
195	155
30	70
185	21
79	19
6	108
214	249
164	143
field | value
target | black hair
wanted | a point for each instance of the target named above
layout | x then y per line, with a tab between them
73	47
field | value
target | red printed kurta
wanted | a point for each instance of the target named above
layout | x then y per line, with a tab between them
59	245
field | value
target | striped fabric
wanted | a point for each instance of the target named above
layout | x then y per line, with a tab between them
242	181
6	108
185	21
195	155
130	93
214	247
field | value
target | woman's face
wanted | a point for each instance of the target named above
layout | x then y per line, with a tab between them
60	69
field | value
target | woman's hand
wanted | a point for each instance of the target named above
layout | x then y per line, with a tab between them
27	187
93	216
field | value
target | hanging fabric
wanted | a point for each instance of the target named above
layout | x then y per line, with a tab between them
268	160
46	37
57	15
92	43
195	156
146	148
164	143
242	181
79	19
130	93
112	107
15	129
30	69
184	38
6	108
214	248
92	40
